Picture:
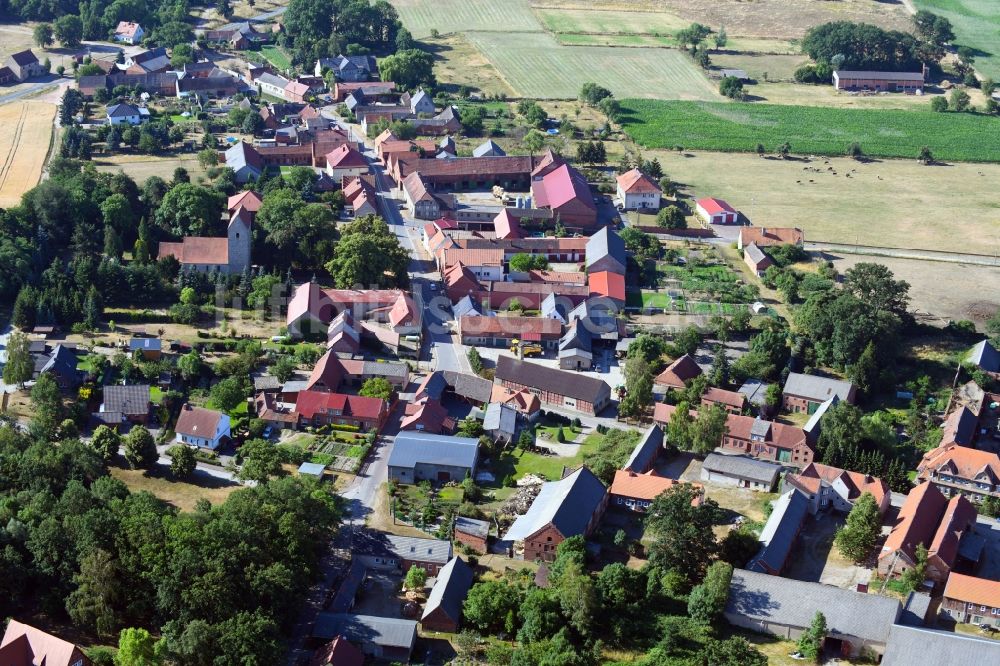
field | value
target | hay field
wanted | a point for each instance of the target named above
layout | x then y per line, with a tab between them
447	16
537	66
976	24
141	167
458	63
888	203
25	137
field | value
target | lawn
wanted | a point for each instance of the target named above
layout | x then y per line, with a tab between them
519	462
447	16
276	56
740	127
141	167
602	22
976	24
182	494
537	66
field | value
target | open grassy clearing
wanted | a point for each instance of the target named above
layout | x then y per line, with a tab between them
535	65
976	24
605	22
422	16
276	56
768	67
458	63
809	95
182	494
885	203
141	167
812	130
632	41
25	137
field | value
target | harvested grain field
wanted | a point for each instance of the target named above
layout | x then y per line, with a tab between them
25	137
537	66
884	203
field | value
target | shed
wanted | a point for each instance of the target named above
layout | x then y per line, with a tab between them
741	471
312	469
500	421
472	533
779	533
418	456
646	451
443	611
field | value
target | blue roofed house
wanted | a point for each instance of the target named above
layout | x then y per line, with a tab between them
443	611
244	159
606	252
419	456
985	357
779	533
566	508
488	148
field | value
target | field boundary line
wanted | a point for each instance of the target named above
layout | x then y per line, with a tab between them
14	143
905	253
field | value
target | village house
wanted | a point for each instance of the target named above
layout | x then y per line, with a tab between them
352	68
420	102
769	236
972	600
606	252
382	638
344	161
732	401
427	415
229	255
129	32
472	533
149	349
311	308
376	91
443	610
239	36
830	487
485	264
908	82
60	364
778	536
805	393
562	509
124	404
716	211
488	148
928	518
479	331
420	201
566	390
122	114
200	427
417	456
635	491
320	408
153	61
677	374
25	65
857	622
756	259
960	471
24	645
379	550
739	471
637	191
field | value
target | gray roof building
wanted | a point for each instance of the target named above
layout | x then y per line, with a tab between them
130	400
741	467
62	364
413	448
985	356
245	161
371	542
479	528
386	637
465	307
500	420
145	344
552	309
755	391
470	387
606	252
755	254
488	148
567	504
772	602
813	424
779	533
645	452
551	381
818	389
122	110
910	645
444	605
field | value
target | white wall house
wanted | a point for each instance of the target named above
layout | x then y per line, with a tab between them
129	33
204	428
124	114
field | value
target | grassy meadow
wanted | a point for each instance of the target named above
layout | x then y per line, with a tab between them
447	16
739	127
976	24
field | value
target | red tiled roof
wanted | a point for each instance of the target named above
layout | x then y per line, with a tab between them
560	187
429	413
451	256
965	462
345	157
338	652
522	400
765	236
958	516
972	590
678	372
916	523
197	251
197	422
309	403
126	29
713	206
403	311
249	200
506	226
606	283
733	399
636	182
781	435
432	168
24	645
509	326
856	482
558	277
296	88
328	371
646	486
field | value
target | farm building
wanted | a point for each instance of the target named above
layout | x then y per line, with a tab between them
417	456
731	401
909	82
739	471
557	186
756	259
716	211
443	611
472	533
677	374
785	608
767	236
389	639
915	645
779	533
501	331
569	507
646	451
606	252
805	393
568	390
25	65
389	551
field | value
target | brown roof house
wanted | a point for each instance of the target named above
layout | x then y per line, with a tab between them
25	65
562	509
960	470
23	645
637	191
204	428
827	486
928	518
677	374
972	600
768	236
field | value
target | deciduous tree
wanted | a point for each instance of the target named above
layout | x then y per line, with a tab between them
140	449
858	536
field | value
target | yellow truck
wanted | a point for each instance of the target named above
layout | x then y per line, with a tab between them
525	348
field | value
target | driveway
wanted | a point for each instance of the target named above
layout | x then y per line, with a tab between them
816	559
